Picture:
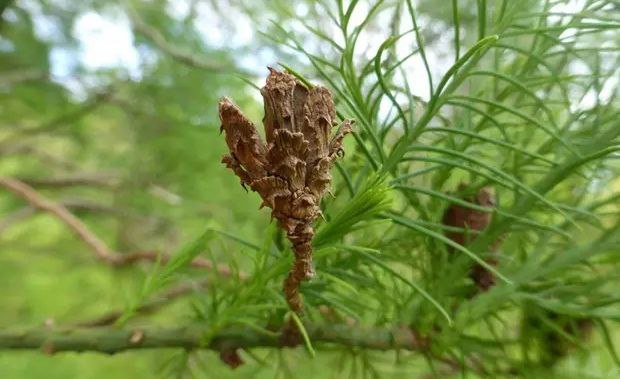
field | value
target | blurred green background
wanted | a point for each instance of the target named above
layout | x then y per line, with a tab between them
84	97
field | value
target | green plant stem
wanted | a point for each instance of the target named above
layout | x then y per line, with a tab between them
114	340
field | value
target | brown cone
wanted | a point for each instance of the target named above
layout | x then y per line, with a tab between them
475	221
290	170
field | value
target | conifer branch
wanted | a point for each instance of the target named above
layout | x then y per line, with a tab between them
112	340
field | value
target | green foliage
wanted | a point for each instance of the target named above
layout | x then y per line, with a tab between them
521	96
162	274
369	201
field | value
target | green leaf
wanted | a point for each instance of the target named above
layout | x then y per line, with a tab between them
304	333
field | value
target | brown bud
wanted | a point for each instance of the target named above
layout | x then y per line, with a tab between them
231	357
474	221
290	170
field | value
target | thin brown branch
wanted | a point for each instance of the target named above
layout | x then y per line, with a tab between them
96	245
72	204
158	302
167	296
99	248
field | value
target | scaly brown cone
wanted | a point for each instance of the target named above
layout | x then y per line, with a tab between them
290	170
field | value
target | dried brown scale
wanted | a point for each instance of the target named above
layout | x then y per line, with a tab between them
290	170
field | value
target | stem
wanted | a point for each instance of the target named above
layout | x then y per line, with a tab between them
302	270
112	340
